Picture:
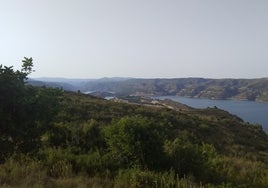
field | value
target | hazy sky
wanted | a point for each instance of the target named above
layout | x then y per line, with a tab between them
137	38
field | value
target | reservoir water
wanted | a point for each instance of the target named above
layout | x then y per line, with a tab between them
249	111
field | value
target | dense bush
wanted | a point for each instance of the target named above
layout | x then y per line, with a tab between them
135	141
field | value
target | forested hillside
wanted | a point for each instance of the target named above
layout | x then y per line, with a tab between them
54	138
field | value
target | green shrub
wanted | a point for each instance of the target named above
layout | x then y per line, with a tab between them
135	141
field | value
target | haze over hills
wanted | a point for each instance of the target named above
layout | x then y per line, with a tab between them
240	89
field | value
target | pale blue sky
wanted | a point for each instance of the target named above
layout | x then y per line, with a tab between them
137	38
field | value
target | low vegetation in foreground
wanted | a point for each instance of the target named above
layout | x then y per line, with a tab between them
54	138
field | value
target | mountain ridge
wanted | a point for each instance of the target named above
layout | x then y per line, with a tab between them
229	88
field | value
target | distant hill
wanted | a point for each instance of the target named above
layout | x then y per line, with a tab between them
75	84
55	84
241	89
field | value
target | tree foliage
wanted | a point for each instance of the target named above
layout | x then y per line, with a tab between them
26	111
135	141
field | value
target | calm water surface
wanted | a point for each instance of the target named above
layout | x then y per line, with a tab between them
249	111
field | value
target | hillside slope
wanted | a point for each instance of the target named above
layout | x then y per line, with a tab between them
139	142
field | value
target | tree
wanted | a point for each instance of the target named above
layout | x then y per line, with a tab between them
25	111
27	66
135	141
